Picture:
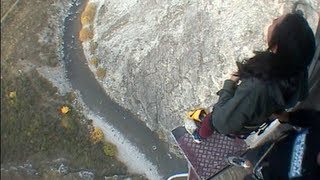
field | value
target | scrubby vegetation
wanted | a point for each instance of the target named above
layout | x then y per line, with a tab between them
37	124
97	135
35	121
88	14
85	34
93	46
94	61
110	149
87	17
101	73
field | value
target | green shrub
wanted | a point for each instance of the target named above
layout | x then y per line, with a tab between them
101	73
110	149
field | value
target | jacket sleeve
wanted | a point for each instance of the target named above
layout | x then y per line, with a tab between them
236	106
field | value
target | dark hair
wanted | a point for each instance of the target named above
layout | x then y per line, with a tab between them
295	49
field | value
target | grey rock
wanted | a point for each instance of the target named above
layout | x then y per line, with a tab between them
63	169
87	175
124	177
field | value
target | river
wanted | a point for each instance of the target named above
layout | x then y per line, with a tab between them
126	123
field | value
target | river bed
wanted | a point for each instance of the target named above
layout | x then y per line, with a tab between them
139	148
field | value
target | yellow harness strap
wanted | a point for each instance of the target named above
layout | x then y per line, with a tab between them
195	114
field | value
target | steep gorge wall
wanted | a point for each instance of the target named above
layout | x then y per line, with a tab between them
164	57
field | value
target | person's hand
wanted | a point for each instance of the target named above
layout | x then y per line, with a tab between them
282	117
235	77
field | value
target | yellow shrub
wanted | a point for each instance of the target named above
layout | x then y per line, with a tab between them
88	14
85	34
97	135
101	73
13	97
94	61
64	109
110	149
85	20
13	94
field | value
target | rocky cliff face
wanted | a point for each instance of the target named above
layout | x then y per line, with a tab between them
165	57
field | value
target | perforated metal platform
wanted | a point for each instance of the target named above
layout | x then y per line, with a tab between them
208	158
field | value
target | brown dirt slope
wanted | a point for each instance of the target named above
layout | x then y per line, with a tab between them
32	127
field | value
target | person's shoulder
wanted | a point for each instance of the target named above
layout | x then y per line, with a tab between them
261	88
255	83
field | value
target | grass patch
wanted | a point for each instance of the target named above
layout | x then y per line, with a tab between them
88	14
85	34
101	73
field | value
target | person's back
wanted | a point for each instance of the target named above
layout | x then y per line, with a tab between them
265	98
258	98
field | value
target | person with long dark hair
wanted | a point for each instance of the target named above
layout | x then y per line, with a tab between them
270	82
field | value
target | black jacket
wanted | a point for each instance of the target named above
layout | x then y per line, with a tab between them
243	108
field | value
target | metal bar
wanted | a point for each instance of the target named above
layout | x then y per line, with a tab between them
315	66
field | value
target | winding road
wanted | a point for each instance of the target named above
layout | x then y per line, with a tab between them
82	79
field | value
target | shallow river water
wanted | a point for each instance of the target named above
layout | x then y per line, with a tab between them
126	123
